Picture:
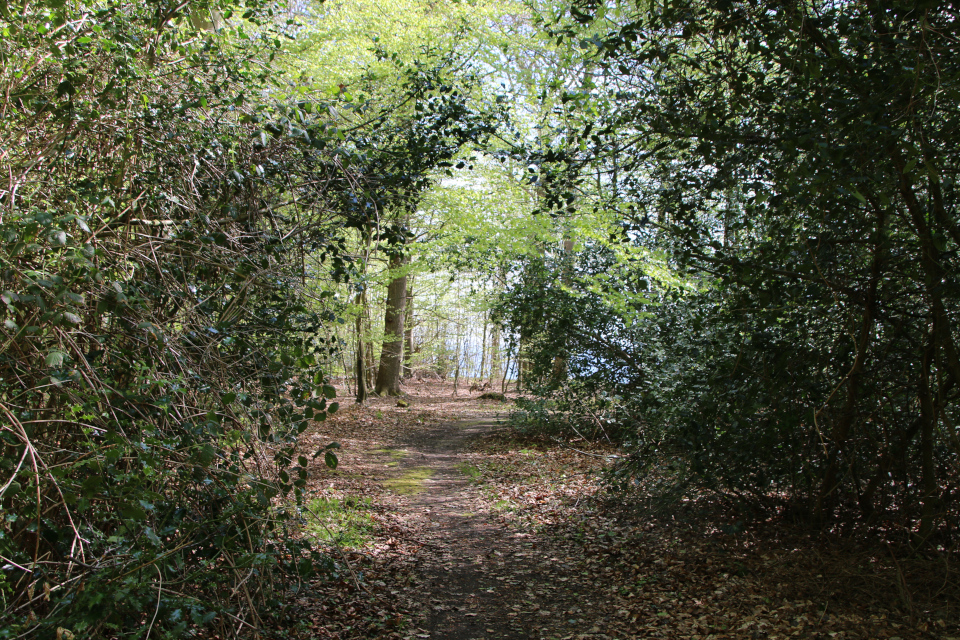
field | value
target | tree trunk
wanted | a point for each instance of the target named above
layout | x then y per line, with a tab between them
391	357
559	371
494	353
361	365
370	358
408	332
483	350
346	368
456	371
506	370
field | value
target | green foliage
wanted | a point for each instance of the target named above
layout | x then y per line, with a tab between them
347	522
339	41
795	161
158	358
162	345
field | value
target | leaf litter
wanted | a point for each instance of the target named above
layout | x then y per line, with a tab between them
517	538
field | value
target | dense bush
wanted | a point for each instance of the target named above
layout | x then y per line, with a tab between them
158	355
783	179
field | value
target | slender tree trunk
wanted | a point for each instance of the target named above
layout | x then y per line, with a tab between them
346	368
371	366
456	363
494	353
456	371
391	356
408	332
506	371
442	358
370	359
360	364
559	371
520	364
483	349
361	302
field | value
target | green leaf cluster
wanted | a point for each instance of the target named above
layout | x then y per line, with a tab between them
159	355
794	161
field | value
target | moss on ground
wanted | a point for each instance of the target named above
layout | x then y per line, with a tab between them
347	522
469	470
411	482
395	454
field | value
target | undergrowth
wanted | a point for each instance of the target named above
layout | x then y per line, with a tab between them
346	522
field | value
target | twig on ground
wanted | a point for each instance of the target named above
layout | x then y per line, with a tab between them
586	453
157	610
902	588
333	540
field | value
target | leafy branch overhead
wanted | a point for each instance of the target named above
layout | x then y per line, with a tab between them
718	235
792	163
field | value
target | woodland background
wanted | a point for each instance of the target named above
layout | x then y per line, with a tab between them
720	234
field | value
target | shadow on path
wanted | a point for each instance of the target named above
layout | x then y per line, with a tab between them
481	578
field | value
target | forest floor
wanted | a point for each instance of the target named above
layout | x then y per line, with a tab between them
444	523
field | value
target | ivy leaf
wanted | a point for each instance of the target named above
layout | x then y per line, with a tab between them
152	536
55	358
133	512
327	449
207	454
330	458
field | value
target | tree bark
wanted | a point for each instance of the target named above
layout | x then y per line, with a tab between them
407	370
361	373
370	358
559	371
456	371
391	357
494	354
506	370
483	350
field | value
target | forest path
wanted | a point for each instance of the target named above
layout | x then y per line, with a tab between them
460	539
481	577
449	525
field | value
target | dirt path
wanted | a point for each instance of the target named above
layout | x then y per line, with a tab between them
456	528
459	551
482	578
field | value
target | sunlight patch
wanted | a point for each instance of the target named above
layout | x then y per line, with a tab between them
411	482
